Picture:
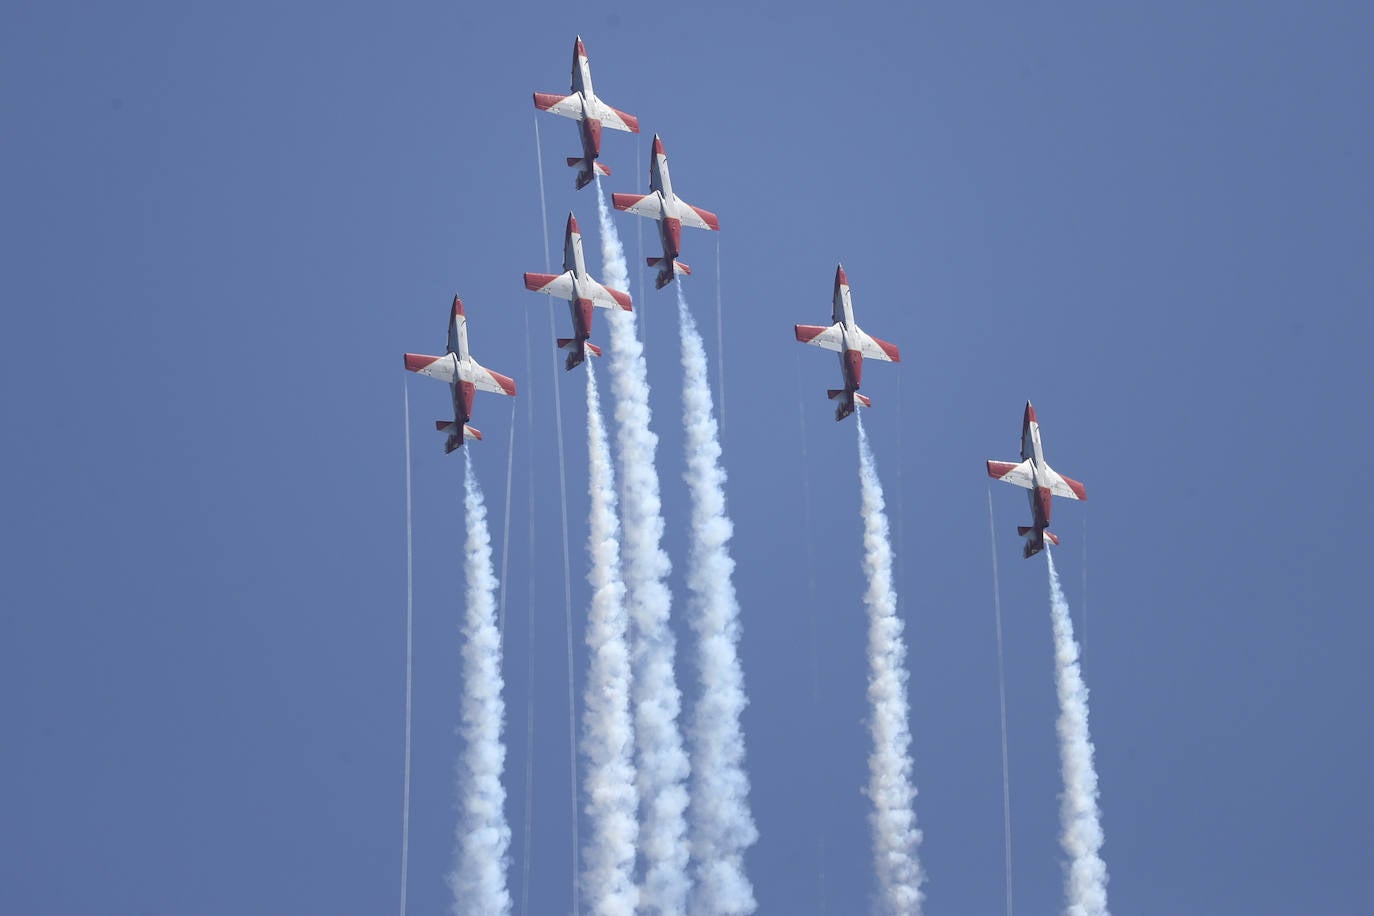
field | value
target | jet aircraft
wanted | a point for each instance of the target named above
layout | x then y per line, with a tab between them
591	114
464	375
582	292
1042	480
671	211
851	342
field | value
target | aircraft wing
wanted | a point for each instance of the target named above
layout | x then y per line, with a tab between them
873	348
483	379
650	205
607	298
1013	473
569	106
559	285
829	338
444	368
1066	487
613	117
695	216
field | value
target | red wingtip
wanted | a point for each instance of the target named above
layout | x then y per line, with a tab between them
579	49
840	278
457	307
417	361
1030	415
658	146
572	225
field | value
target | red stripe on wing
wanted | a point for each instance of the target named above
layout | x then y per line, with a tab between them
626	201
546	100
999	469
1076	487
537	282
416	362
711	219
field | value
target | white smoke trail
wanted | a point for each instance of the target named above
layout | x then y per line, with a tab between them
410	629
1001	703
662	762
720	340
890	788
608	738
567	575
1085	882
721	825
478	878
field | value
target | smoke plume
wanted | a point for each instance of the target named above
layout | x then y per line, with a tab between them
890	787
478	879
662	766
721	825
1085	882
608	737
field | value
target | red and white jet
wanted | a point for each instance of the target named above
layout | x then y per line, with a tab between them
852	343
464	375
582	292
672	213
592	114
1043	481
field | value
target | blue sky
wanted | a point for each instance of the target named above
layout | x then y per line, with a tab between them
223	227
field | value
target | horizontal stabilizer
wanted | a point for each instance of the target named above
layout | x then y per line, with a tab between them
597	167
1024	530
863	399
834	393
442	426
678	266
1053	539
570	343
472	432
665	275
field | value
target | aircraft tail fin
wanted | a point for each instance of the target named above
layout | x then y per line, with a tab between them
456	433
577	351
835	394
1035	539
585	175
667	271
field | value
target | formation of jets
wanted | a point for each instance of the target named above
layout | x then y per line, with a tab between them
584	294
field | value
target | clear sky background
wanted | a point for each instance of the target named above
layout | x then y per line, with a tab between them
223	224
